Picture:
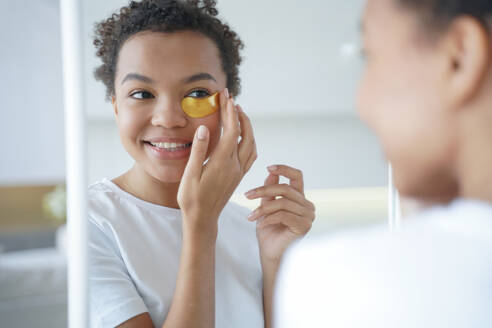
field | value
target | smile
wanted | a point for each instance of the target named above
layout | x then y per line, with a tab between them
171	146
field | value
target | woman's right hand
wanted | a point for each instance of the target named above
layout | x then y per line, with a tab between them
205	189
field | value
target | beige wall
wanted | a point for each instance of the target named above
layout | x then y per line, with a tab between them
21	208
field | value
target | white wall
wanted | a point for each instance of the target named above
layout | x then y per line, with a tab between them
333	152
31	112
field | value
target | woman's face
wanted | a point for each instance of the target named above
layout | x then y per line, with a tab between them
402	97
155	71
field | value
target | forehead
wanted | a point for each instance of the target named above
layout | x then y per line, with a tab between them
169	55
379	7
387	21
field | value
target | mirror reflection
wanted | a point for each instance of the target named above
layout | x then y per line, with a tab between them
174	242
159	244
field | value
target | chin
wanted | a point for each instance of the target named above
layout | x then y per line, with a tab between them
168	175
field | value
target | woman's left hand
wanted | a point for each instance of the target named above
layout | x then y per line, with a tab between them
284	214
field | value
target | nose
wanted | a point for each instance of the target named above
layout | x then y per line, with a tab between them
168	114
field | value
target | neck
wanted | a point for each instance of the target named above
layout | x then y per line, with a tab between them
142	185
474	169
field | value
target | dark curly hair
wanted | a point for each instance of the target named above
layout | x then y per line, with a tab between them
166	16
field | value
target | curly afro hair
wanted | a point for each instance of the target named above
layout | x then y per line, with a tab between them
166	16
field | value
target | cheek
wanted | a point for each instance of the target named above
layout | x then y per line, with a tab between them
212	123
129	124
374	99
396	99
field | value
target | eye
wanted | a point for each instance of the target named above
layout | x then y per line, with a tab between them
198	94
142	95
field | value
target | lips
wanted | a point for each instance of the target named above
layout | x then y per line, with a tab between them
167	148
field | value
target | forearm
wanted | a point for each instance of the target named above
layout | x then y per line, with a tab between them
270	270
193	302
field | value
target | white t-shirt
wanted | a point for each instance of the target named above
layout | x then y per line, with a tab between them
135	249
436	271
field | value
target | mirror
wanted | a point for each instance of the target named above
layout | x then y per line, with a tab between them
298	86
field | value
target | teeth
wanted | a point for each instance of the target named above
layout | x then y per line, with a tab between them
170	145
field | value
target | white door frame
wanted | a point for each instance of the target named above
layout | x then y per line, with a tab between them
76	163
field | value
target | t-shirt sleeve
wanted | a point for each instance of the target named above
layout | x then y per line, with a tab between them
114	298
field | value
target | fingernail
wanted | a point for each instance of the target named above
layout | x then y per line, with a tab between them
226	93
202	132
272	168
250	193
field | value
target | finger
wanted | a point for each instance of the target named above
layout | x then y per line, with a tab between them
223	98
291	221
280	190
247	144
281	204
230	122
269	181
198	153
294	175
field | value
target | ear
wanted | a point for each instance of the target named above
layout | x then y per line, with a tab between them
467	49
115	107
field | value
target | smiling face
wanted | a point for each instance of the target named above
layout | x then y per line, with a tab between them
403	96
155	72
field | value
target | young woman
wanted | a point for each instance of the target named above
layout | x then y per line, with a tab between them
167	249
426	92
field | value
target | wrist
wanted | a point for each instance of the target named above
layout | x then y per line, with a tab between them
271	258
270	266
198	229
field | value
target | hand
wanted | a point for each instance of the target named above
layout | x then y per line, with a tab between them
284	214
205	189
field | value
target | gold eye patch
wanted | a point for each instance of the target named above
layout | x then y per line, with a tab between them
200	107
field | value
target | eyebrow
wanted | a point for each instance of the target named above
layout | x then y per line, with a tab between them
193	78
138	77
199	77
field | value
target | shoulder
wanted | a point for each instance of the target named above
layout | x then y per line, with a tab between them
105	208
432	233
101	192
107	203
341	247
100	195
328	276
363	272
